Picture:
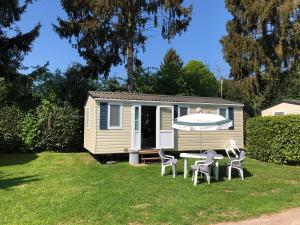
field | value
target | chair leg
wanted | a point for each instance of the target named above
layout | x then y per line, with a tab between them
241	172
207	178
174	171
162	170
229	172
196	177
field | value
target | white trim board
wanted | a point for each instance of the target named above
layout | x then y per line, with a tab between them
120	117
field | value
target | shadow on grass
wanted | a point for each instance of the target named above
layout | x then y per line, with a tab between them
7	183
103	159
9	159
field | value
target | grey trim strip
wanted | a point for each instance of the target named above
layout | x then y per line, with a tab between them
201	124
167	102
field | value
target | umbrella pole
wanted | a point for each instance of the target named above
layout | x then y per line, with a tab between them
201	142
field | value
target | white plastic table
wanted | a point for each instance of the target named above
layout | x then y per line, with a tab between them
187	156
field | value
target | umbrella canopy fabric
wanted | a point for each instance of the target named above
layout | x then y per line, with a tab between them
201	122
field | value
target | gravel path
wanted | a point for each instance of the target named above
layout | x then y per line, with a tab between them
286	217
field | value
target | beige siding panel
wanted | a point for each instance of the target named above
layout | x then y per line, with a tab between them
115	140
90	132
192	140
287	108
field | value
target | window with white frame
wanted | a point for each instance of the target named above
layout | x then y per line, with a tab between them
87	117
114	116
223	112
183	110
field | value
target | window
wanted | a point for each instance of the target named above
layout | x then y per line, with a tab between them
137	118
165	118
115	116
183	110
87	118
278	113
223	112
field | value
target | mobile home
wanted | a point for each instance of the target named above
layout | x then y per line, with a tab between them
116	122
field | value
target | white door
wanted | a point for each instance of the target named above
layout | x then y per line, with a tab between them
136	125
164	127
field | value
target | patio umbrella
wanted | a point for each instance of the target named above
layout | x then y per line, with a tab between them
201	122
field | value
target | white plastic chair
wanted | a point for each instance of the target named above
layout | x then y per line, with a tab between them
167	160
234	146
236	163
231	148
203	167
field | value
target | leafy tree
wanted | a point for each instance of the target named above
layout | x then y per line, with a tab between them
147	81
169	75
293	89
49	86
75	86
263	41
198	80
111	84
110	32
244	91
2	90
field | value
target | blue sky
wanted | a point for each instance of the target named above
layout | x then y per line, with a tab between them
200	42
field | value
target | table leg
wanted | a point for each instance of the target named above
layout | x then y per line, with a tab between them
185	168
217	170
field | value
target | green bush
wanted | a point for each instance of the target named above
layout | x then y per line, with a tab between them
11	118
52	127
274	139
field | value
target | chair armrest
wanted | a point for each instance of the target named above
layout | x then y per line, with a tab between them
236	160
205	164
170	156
199	162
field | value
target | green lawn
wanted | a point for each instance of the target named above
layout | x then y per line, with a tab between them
74	188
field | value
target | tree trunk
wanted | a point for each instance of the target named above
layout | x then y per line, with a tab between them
130	49
130	74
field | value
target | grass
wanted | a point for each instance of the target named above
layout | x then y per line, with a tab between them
74	188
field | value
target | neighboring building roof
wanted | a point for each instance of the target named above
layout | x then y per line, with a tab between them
161	98
290	101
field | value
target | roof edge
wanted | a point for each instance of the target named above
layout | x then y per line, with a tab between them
90	93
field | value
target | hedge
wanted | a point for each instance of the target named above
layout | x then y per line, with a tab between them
11	118
274	139
52	128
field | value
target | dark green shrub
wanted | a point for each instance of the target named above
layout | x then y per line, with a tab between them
274	139
52	127
11	118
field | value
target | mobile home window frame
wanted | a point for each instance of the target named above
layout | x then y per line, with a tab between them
283	113
183	106
120	116
227	111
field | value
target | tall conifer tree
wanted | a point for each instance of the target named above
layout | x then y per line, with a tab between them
263	41
13	43
169	74
108	33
